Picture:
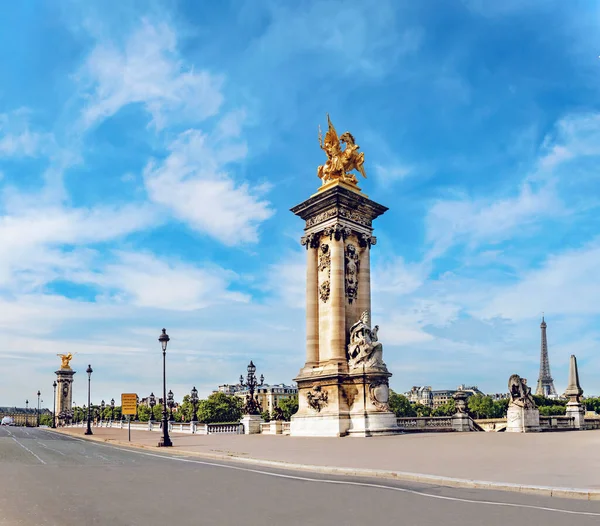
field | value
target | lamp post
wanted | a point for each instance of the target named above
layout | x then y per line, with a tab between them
170	404
252	407
165	440
152	403
89	372
26	412
102	407
38	409
112	410
194	400
54	407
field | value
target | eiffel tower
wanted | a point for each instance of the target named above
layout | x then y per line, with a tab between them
545	383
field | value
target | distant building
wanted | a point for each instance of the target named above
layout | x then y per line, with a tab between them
268	395
434	398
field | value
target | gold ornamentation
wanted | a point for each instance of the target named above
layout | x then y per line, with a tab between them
66	358
340	162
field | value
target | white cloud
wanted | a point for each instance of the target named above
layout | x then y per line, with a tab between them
193	184
145	281
147	70
391	174
484	221
43	244
17	139
566	284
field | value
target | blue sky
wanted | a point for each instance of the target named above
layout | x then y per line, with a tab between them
150	152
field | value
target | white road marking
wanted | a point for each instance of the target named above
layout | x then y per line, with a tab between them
50	449
27	449
350	483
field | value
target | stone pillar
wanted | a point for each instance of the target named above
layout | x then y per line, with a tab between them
312	305
575	408
251	424
337	317
64	390
364	287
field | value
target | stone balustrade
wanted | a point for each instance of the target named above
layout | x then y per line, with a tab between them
425	423
555	423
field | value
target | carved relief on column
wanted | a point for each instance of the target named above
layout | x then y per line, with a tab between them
351	272
324	267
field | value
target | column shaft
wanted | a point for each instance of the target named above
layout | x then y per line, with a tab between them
312	307
338	304
364	281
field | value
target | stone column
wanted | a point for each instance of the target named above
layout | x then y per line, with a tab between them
312	306
338	304
364	283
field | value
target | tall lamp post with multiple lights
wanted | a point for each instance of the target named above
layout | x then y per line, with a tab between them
54	406
194	400
151	403
102	407
170	404
112	410
252	407
165	440
89	372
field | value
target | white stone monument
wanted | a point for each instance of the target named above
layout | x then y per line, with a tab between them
64	390
343	386
522	416
574	391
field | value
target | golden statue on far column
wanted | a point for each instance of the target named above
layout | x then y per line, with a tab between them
66	358
340	162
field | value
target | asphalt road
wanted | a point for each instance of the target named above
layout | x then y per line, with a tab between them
53	479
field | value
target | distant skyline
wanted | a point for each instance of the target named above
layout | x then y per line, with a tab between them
150	153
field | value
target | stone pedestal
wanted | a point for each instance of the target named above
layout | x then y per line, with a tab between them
576	410
522	420
461	422
251	424
64	391
339	394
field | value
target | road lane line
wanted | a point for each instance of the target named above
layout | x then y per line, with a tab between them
49	448
351	483
27	449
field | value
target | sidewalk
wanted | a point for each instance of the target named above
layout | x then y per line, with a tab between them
568	460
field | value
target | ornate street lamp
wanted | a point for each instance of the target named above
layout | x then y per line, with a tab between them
102	407
54	407
38	409
170	404
112	410
165	440
152	403
252	407
89	372
194	400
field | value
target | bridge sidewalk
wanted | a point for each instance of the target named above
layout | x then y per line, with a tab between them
548	463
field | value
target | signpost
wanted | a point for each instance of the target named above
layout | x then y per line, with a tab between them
129	407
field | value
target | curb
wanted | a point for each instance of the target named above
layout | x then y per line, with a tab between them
548	491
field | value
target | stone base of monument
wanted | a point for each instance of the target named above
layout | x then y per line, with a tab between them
522	420
251	424
577	412
343	404
461	422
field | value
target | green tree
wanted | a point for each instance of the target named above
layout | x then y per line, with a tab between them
500	408
552	410
266	416
220	407
400	405
289	406
592	404
481	406
446	409
422	410
46	420
143	413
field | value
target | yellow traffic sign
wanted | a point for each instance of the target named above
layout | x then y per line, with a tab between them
129	403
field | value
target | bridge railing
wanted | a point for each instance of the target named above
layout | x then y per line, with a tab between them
425	423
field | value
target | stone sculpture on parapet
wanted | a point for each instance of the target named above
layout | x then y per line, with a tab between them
522	415
575	408
364	350
461	421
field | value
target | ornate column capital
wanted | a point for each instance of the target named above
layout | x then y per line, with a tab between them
310	241
366	240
